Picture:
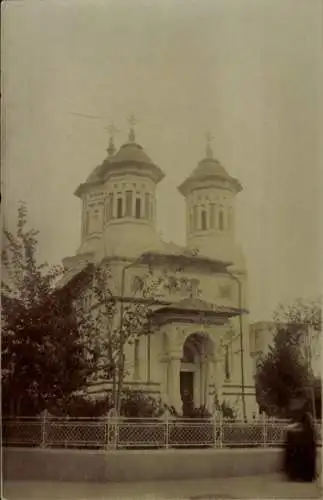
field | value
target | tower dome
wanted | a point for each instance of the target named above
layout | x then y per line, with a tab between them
119	202
210	214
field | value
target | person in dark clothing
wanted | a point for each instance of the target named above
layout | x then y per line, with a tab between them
308	448
300	450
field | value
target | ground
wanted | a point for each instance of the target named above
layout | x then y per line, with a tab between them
269	486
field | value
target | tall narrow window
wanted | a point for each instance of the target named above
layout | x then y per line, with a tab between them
111	204
191	221
221	220
138	208
195	225
212	216
151	210
203	220
227	362
147	204
119	206
128	211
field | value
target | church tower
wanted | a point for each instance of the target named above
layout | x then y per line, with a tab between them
119	202
210	194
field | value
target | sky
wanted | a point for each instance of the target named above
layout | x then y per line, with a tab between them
248	71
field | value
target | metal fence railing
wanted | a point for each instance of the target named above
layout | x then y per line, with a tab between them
118	433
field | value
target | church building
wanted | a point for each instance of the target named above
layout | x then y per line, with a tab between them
199	348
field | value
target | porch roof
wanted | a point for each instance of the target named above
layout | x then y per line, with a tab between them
197	307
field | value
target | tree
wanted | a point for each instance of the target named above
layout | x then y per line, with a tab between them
117	321
281	374
43	356
306	318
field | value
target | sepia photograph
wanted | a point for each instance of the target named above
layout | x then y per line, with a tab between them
161	242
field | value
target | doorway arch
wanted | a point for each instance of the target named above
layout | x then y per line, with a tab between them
197	354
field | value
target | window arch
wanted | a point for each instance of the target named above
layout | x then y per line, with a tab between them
203	220
221	220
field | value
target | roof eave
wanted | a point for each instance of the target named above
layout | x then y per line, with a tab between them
188	185
158	174
84	186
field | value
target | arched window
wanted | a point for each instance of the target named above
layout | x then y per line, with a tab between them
188	353
128	208
138	208
221	220
203	220
119	206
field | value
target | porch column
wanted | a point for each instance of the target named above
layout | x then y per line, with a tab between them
174	391
218	377
164	379
211	386
204	381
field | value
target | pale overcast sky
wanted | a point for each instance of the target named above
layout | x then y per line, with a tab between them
247	70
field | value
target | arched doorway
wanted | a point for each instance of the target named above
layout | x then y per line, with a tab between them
194	371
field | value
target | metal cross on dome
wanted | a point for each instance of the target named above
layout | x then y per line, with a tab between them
132	120
209	151
112	129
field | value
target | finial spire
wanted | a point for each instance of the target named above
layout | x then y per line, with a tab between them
132	122
112	130
209	150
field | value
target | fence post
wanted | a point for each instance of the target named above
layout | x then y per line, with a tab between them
214	430
264	430
221	431
166	430
43	428
111	430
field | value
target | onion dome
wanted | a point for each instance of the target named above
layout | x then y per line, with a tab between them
209	169
129	158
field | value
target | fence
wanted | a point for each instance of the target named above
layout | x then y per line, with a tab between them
120	433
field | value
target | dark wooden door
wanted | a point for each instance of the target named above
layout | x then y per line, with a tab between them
187	389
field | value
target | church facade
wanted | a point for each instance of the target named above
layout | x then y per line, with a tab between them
199	347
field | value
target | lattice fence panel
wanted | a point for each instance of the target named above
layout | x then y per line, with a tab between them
238	433
187	434
23	433
275	433
141	434
87	434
